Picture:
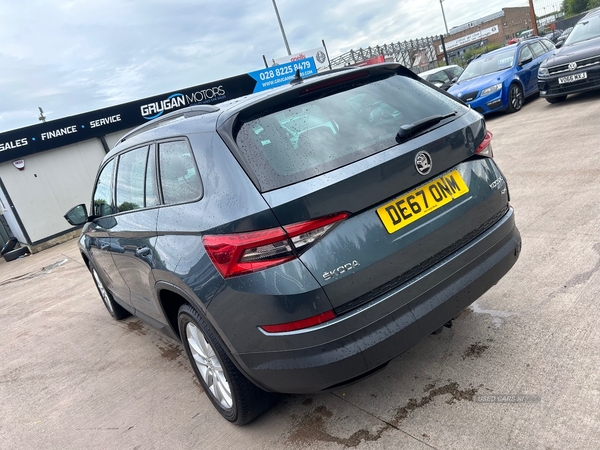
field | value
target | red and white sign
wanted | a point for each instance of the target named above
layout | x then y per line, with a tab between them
19	164
318	54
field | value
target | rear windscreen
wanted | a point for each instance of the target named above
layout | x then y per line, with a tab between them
323	134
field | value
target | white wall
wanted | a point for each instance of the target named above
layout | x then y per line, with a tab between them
51	183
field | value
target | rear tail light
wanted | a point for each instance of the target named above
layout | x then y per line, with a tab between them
242	253
485	148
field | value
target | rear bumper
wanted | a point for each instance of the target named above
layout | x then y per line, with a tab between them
372	335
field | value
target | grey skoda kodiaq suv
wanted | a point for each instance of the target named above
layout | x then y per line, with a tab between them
299	239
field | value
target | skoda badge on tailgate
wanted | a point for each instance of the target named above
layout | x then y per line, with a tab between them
423	162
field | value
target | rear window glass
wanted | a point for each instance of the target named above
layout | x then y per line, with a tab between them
321	135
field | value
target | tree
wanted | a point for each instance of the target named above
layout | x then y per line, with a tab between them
573	7
593	4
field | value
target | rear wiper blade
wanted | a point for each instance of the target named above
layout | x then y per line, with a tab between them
409	129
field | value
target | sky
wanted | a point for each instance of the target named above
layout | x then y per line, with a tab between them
74	56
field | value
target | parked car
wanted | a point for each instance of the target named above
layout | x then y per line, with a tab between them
575	67
443	77
554	35
300	258
527	34
501	79
563	37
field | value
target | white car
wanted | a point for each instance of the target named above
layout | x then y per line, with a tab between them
442	77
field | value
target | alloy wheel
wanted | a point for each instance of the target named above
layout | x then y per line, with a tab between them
209	366
516	97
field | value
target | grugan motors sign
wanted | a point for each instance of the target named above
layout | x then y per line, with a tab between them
26	141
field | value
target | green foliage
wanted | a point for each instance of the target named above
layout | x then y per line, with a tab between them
573	7
128	206
472	52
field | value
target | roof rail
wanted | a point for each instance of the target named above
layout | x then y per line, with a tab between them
175	116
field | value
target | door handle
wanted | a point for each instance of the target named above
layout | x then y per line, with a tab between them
143	251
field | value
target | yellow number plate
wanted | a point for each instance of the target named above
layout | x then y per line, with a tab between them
410	207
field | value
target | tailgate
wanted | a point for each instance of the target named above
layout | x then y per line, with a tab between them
401	222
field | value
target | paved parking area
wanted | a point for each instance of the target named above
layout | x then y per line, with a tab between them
71	377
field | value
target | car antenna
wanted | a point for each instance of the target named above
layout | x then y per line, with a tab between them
297	78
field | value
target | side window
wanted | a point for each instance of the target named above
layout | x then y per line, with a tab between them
440	76
151	185
538	49
131	173
549	44
179	178
525	53
103	199
455	71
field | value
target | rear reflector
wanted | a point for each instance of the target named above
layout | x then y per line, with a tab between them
485	148
300	324
242	253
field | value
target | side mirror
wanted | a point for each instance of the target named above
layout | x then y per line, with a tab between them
454	80
559	44
77	216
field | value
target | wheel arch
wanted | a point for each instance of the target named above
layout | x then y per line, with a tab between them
171	298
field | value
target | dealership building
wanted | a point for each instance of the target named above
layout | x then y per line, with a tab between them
495	28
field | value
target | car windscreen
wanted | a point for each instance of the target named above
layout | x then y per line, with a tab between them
324	133
490	63
584	30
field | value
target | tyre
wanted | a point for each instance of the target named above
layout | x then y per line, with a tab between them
8	246
14	254
515	98
115	310
231	393
559	99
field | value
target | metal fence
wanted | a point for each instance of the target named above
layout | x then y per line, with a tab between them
417	54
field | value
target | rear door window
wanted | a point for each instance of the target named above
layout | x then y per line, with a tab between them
130	179
537	48
548	44
152	198
323	134
525	53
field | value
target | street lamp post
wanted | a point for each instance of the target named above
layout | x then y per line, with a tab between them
287	46
443	15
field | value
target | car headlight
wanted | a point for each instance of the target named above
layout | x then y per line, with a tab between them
543	72
491	89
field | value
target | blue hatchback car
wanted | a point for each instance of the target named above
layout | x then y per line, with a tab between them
501	79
